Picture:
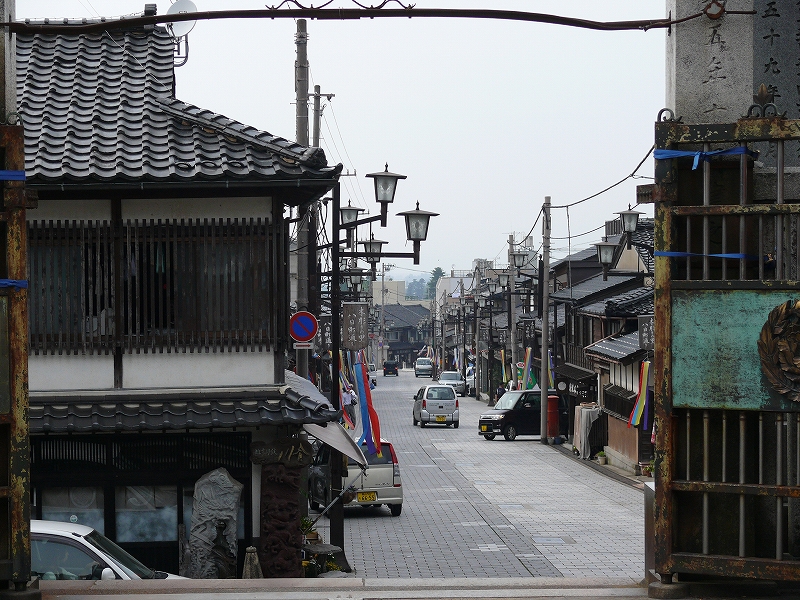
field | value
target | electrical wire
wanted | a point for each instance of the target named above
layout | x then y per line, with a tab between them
623	180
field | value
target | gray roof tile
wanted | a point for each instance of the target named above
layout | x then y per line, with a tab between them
100	107
619	348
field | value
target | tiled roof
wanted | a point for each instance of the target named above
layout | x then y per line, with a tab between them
405	315
595	286
161	411
99	108
629	304
643	239
620	348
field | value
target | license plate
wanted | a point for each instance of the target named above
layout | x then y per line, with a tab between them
484	427
441	419
367	496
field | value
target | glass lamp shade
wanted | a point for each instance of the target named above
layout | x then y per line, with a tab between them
348	214
462	301
417	223
503	277
372	247
518	259
482	302
493	286
385	185
630	219
605	252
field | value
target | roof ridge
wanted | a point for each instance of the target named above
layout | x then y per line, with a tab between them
309	155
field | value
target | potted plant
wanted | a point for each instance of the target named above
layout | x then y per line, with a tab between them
601	457
308	530
647	469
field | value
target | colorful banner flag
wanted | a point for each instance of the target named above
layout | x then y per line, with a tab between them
641	398
550	369
371	427
503	366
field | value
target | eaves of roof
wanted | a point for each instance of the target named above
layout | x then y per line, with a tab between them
163	411
595	288
623	349
628	304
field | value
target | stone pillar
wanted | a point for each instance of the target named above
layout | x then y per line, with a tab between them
281	541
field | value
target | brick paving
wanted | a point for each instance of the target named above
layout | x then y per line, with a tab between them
477	508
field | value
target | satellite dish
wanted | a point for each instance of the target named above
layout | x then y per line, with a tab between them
181	28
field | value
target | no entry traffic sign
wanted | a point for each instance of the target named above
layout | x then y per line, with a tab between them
303	326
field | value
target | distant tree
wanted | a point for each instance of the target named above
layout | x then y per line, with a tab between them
416	288
436	274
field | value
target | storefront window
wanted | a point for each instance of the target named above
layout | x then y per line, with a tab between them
147	513
82	505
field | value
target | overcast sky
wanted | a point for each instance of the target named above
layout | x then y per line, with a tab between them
486	118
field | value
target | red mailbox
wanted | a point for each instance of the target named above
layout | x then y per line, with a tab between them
552	416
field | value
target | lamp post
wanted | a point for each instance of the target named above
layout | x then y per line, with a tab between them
630	221
462	301
417	222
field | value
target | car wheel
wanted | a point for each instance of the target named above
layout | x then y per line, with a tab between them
510	433
396	509
421	424
455	425
415	420
489	436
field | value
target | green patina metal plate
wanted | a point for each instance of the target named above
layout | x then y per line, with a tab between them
715	359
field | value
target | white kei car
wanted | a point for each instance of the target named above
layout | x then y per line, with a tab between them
70	551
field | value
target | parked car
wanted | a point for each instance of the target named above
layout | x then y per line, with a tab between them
436	403
72	551
455	380
378	484
423	367
390	368
518	412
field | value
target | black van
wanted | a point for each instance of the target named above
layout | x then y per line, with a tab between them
390	368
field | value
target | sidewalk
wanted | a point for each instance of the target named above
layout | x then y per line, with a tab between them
351	588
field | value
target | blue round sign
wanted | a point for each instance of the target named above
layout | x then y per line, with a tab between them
303	326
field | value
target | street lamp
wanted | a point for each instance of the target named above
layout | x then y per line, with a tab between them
605	254
385	187
417	227
630	221
518	259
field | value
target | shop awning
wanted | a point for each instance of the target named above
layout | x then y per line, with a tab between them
336	437
574	372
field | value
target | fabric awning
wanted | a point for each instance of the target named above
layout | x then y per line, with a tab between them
335	436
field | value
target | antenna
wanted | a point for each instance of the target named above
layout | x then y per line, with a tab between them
181	28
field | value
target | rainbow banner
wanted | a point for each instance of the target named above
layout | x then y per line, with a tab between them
550	369
371	427
503	365
640	407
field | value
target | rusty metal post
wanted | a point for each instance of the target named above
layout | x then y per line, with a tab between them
15	555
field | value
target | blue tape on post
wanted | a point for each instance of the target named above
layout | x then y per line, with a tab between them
688	254
707	156
15	283
12	175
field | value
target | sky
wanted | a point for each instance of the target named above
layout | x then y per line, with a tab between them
484	117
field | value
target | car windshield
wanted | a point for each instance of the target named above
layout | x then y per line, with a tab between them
450	376
508	400
423	361
444	392
132	567
373	459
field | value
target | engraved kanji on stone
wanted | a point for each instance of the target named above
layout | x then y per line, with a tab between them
714	68
716	38
771	36
770	10
771	66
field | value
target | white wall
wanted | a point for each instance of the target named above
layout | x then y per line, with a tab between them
70	372
190	370
172	208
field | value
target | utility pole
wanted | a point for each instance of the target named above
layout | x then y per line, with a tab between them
512	308
544	381
318	113
304	213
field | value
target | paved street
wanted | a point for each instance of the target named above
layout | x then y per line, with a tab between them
475	508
